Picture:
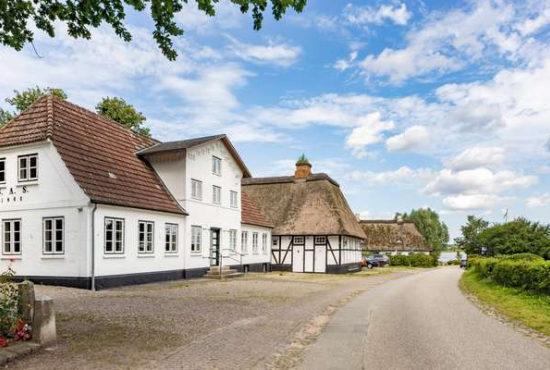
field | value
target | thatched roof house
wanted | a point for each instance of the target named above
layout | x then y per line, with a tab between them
393	236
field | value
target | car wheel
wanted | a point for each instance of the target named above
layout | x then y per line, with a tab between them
369	265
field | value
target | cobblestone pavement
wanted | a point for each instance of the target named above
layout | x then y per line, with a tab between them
256	322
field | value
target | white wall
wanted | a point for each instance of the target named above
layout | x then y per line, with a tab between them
55	193
250	257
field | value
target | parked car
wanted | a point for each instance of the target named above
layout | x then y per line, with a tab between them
463	262
376	260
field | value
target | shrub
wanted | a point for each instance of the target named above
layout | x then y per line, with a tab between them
12	327
400	260
415	260
453	262
522	257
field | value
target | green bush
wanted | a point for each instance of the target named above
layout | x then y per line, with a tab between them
522	257
400	260
453	262
415	260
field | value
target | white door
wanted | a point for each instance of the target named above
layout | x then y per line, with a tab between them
320	258
298	258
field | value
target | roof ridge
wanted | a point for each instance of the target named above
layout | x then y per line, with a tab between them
49	117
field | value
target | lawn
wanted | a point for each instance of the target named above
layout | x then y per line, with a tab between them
530	309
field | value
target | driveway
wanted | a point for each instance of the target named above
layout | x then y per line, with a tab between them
421	322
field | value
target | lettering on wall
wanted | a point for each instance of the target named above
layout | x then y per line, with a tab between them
12	195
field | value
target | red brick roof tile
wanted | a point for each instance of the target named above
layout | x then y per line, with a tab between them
251	214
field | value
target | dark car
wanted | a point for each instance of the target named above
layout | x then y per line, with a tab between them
376	260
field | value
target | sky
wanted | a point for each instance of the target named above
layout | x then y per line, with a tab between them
407	104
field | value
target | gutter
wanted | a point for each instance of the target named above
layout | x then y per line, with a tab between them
93	247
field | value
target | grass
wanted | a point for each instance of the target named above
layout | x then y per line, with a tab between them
530	309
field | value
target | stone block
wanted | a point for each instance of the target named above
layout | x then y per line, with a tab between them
26	301
44	330
19	348
8	354
3	360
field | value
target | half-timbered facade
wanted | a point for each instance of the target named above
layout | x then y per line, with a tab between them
314	227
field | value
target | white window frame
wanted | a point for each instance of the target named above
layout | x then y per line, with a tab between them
216	165
146	238
264	242
233	239
216	190
255	243
196	239
115	241
53	240
299	240
320	240
2	170
234	196
171	238
196	189
27	167
244	241
9	242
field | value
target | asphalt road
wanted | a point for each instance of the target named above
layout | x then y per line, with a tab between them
421	322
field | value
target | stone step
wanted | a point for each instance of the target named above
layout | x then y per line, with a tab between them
217	268
222	272
224	276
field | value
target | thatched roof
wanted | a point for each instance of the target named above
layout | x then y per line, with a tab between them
401	236
315	206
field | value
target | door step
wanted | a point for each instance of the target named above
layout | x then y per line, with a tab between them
224	273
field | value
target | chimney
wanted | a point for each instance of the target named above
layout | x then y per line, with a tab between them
303	168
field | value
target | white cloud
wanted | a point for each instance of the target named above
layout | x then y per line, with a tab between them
548	144
344	64
476	157
415	138
362	16
279	54
403	175
532	25
538	201
370	131
474	202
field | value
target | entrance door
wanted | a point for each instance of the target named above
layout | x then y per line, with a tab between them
214	247
298	258
320	258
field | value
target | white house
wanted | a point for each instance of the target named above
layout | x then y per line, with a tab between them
314	227
86	202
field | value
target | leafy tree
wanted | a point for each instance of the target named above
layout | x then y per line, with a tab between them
430	226
118	110
21	100
469	241
17	17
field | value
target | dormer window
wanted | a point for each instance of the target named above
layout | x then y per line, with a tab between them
216	166
2	170
28	167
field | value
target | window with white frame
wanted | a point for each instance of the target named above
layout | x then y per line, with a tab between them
196	189
320	240
146	237
345	242
274	242
299	240
171	238
2	170
53	235
28	167
216	194
12	236
244	241
234	199
254	242
196	239
114	235
264	242
216	166
233	240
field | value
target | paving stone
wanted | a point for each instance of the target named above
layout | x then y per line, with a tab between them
33	346
8	354
20	349
3	360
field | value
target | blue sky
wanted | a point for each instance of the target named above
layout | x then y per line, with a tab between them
407	104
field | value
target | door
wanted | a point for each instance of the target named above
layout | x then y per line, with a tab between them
298	258
214	247
320	258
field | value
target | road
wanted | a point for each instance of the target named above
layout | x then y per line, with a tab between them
421	322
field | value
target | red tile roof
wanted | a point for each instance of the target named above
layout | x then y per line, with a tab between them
99	153
251	214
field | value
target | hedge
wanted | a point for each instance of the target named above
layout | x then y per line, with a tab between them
533	275
415	260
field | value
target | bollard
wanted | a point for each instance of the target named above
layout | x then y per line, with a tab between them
44	331
26	300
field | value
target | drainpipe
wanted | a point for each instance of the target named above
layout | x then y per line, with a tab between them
93	246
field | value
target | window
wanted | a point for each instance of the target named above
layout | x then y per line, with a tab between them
146	237
299	240
244	241
274	242
216	166
196	238
321	240
2	170
196	189
28	167
171	238
53	229
254	242
216	194
114	235
233	239
264	243
234	199
12	236
345	242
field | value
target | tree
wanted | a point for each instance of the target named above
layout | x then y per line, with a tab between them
18	17
429	225
118	110
469	241
21	100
